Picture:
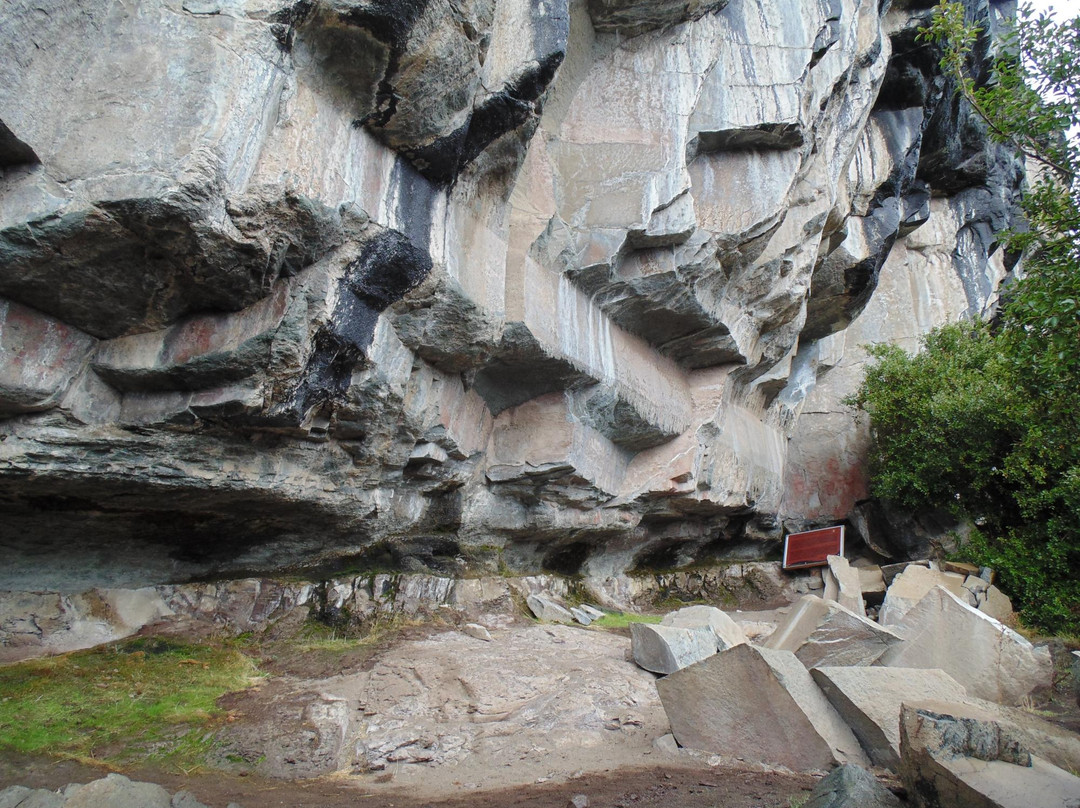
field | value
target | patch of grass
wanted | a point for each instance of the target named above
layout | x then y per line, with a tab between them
147	698
624	619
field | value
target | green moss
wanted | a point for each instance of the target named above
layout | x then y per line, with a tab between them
143	699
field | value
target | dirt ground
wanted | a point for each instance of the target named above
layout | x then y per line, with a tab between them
545	713
642	787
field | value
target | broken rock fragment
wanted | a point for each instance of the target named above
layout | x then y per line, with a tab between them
842	584
953	758
759	705
851	786
869	700
821	632
546	609
666	649
989	659
728	633
911	586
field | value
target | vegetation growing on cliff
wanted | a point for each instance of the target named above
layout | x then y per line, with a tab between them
985	419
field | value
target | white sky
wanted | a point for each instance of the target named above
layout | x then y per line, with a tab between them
1063	9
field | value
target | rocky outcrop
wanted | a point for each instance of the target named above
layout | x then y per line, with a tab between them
575	286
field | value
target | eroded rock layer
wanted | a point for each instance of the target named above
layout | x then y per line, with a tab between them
480	284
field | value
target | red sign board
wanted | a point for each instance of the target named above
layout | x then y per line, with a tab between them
813	547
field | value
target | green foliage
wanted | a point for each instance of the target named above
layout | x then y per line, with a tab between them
145	698
985	421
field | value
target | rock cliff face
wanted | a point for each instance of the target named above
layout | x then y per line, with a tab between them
461	283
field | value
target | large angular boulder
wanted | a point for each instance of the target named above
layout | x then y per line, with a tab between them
821	632
666	649
842	584
989	659
869	700
546	609
850	786
953	758
760	705
728	633
911	586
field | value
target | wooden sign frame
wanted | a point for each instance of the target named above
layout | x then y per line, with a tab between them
811	548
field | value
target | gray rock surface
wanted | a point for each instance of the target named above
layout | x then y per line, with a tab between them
824	633
952	761
728	633
112	791
666	649
869	700
851	786
989	659
759	705
460	287
546	609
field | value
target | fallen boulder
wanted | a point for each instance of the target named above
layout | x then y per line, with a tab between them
989	659
911	586
842	584
728	633
869	700
851	786
997	604
821	632
759	705
546	609
666	649
954	759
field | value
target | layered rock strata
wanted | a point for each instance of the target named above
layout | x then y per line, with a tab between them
573	286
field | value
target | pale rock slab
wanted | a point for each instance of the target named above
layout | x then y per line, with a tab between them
544	608
728	632
477	631
959	762
759	705
869	700
983	725
666	649
989	659
843	585
998	605
910	586
824	633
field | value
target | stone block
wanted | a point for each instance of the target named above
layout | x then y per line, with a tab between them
890	571
952	761
850	786
544	608
960	568
759	705
910	586
821	632
869	700
872	583
988	725
842	585
666	649
728	633
997	604
989	659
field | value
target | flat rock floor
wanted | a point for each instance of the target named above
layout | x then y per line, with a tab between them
438	717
